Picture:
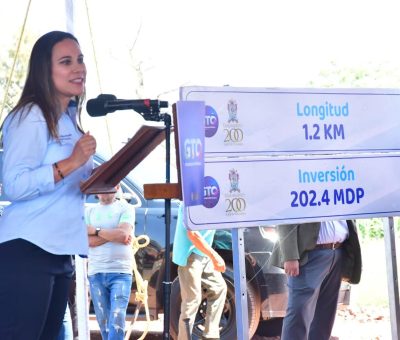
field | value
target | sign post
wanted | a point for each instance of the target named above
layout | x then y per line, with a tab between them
392	277
240	284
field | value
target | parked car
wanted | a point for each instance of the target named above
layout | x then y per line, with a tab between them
266	285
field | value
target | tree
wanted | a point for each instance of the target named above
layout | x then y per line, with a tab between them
18	76
369	76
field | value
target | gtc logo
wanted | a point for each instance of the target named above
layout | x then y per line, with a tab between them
193	148
211	122
211	192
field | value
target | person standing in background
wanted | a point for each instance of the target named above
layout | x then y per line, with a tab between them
316	257
199	266
46	156
110	226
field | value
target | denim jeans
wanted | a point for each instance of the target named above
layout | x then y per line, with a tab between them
110	295
313	296
66	327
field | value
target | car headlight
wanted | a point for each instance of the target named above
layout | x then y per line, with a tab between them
269	233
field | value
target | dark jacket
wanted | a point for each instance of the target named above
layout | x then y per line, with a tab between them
296	240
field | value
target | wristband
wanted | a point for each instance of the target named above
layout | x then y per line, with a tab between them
58	170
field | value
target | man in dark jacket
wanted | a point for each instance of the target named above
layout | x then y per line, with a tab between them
316	257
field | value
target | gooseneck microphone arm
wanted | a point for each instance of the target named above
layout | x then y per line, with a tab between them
106	103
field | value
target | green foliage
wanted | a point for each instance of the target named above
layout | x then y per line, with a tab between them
373	228
370	228
368	76
7	57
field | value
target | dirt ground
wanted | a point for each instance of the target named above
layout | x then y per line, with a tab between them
366	323
362	319
354	323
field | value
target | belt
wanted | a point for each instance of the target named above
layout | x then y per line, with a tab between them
332	246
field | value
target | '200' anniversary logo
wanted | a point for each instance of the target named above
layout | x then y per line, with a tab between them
235	200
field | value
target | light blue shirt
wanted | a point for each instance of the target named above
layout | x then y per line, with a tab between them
183	247
47	214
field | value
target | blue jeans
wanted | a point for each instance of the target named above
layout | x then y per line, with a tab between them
110	295
313	296
66	327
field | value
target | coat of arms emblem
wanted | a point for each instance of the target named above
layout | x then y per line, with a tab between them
232	111
234	180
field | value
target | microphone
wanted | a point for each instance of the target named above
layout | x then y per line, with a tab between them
106	103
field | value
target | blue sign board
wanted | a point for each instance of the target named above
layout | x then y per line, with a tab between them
190	119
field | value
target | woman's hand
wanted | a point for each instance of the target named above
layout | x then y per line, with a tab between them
84	148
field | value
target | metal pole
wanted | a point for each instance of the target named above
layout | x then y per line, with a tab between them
167	274
69	16
82	294
239	272
392	278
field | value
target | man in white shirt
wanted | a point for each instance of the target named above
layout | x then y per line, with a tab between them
110	229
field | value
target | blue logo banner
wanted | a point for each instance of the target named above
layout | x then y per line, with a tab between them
191	127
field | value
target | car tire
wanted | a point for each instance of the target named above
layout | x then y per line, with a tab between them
270	328
228	319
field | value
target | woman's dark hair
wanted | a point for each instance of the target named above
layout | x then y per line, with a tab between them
39	87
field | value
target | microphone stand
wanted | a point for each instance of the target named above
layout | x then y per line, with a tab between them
167	275
156	116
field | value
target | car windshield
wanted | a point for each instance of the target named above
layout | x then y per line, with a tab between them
153	168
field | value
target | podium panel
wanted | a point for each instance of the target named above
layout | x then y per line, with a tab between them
109	174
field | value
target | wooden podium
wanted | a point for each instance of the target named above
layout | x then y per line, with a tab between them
109	174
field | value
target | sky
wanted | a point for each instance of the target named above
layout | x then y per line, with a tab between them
151	48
